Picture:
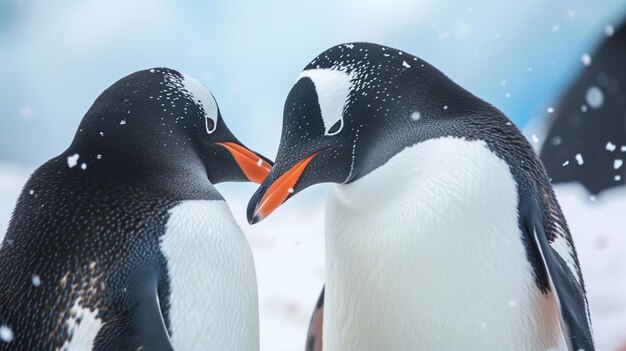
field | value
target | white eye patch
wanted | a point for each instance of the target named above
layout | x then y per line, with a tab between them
333	87
204	99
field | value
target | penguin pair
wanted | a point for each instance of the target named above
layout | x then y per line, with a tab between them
122	242
442	228
443	231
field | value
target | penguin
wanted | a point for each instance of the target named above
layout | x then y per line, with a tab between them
122	242
442	230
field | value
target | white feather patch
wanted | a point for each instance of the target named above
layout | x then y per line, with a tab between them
83	326
213	301
563	248
333	87
202	96
426	253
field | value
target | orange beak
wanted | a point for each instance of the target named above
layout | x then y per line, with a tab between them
254	167
278	192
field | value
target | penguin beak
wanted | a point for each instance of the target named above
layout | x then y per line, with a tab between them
254	167
264	203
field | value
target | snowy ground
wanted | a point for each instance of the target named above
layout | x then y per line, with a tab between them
289	252
598	226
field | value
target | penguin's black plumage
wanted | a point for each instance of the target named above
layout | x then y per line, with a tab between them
365	117
315	332
586	138
81	265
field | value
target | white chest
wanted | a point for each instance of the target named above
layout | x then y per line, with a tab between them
425	253
212	278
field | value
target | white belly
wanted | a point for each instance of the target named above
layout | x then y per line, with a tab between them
212	279
425	253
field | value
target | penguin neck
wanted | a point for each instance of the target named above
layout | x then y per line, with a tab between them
162	169
422	238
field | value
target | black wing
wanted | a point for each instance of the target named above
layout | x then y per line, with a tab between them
314	335
141	327
558	256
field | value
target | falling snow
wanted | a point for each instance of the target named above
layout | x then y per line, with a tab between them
579	159
610	146
6	334
550	109
406	64
72	161
83	166
594	97
617	163
36	280
571	14
535	138
585	59
609	30
416	115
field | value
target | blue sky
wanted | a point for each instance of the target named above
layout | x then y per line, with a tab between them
55	58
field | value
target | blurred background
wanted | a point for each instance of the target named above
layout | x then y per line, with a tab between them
522	57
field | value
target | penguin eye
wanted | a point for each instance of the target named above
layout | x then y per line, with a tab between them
210	125
335	128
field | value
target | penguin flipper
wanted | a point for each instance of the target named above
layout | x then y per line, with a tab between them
138	328
314	335
565	281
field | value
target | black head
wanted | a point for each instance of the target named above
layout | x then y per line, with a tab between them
353	108
162	123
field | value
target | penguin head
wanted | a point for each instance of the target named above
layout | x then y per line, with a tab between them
160	120
351	109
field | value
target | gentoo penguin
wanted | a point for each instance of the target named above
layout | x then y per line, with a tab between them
122	242
586	139
442	231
